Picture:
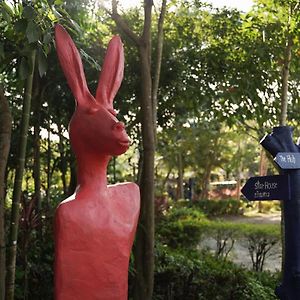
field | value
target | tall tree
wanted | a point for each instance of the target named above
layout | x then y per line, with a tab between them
292	9
5	135
158	60
17	191
26	31
144	247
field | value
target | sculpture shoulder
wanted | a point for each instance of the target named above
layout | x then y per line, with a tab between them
122	192
126	194
126	189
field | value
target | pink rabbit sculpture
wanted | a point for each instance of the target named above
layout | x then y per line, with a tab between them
95	227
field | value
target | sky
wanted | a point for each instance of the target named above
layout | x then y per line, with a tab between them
243	5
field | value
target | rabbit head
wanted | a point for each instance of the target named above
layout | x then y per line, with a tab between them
94	128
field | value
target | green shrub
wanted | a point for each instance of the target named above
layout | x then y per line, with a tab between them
174	273
224	280
182	213
186	228
200	276
268	206
182	228
225	234
215	208
260	239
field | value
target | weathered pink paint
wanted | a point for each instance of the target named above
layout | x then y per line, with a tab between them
95	227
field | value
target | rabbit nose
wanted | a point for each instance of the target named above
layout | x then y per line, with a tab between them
119	126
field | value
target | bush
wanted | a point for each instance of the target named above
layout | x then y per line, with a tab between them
215	208
183	213
260	239
225	234
174	273
182	228
193	275
268	206
186	228
37	283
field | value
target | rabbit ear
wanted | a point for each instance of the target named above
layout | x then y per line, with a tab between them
71	64
112	73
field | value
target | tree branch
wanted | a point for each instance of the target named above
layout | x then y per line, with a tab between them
286	70
160	39
122	24
146	36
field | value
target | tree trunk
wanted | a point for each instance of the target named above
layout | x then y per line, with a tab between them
283	117
37	166
49	156
144	247
5	136
166	179
159	50
140	164
263	169
239	171
180	187
238	181
73	174
15	211
205	181
37	98
63	161
285	79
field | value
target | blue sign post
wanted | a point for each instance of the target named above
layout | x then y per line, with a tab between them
285	187
267	188
288	161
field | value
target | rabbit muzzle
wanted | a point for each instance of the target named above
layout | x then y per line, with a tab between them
120	134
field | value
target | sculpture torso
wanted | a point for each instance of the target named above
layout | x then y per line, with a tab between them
94	228
94	237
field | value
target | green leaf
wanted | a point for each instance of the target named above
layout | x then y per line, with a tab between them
20	25
56	14
42	62
7	8
58	2
24	68
29	13
33	32
2	53
75	26
5	15
47	38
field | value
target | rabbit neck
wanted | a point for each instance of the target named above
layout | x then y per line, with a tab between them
92	173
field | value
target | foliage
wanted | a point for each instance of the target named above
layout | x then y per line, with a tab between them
225	234
269	206
182	228
221	71
27	26
186	228
40	255
215	208
260	240
182	274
